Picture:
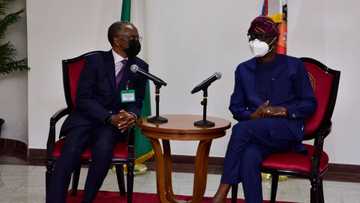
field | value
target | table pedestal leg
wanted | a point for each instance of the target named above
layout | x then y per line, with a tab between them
160	179
168	171
163	171
201	167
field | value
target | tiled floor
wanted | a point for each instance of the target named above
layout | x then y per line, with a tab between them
23	183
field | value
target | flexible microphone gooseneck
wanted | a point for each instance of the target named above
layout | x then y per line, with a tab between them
135	69
206	83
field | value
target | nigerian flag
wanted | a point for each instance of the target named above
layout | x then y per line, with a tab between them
277	10
143	149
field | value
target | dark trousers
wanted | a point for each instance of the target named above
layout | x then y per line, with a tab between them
101	141
251	141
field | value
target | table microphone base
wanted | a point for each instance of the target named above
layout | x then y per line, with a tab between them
204	123
157	120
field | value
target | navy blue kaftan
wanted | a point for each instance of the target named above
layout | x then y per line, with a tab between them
284	82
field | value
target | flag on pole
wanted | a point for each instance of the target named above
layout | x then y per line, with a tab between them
277	10
143	148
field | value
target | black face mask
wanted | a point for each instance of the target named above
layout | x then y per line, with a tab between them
133	48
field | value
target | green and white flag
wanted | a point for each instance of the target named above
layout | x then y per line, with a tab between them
143	148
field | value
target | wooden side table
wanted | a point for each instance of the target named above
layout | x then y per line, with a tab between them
180	127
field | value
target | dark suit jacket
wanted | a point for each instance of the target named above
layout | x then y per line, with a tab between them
98	98
290	86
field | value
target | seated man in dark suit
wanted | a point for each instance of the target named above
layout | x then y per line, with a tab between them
272	97
108	102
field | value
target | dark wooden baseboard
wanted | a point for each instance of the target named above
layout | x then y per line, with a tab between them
37	157
13	148
336	172
343	172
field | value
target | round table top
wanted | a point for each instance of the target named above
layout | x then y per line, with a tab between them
181	127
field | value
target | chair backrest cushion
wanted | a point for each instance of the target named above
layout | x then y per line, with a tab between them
72	70
322	83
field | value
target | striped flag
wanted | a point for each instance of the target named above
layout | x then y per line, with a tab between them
143	148
277	10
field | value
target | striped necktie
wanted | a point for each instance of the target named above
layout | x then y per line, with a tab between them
120	65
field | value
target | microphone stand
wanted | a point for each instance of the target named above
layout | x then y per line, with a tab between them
204	123
157	119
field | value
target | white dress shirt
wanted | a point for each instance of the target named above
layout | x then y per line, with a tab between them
118	62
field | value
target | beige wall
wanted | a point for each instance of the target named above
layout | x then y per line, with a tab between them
13	87
188	41
59	30
328	30
185	42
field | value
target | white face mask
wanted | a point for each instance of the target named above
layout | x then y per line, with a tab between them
259	48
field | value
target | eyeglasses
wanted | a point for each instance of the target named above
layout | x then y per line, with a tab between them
259	36
132	37
140	38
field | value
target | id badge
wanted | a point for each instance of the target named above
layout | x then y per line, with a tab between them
127	96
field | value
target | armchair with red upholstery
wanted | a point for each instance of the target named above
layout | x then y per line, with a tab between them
315	163
123	152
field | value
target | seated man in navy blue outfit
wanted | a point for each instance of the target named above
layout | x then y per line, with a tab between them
108	102
272	97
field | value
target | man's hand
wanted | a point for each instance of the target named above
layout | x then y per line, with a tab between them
275	111
265	111
260	111
123	120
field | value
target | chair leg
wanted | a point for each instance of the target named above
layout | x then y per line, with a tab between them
314	191
120	179
49	171
321	191
274	186
75	181
130	181
234	191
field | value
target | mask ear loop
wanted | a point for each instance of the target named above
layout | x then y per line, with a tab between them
271	43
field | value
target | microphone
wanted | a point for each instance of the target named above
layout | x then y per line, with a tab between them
206	83
135	69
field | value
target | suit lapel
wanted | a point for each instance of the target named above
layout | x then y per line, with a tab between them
110	68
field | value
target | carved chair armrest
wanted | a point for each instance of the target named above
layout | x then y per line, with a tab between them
52	130
319	143
58	115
